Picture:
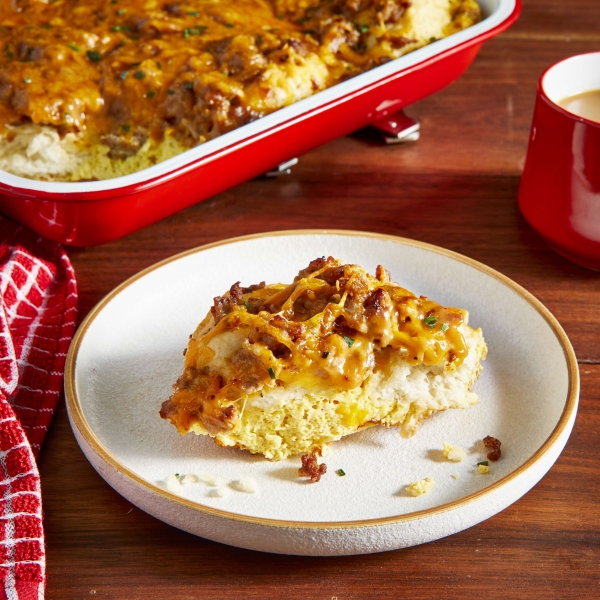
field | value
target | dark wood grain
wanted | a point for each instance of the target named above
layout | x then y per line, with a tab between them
456	188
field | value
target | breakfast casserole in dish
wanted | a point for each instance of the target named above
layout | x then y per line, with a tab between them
97	89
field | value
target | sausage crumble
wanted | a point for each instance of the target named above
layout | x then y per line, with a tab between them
311	468
493	445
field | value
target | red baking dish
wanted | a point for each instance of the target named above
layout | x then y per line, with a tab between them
91	213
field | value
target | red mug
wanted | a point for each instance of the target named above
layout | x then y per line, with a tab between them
559	193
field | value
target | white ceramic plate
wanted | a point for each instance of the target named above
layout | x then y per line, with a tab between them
128	353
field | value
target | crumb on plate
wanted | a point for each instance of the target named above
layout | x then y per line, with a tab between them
218	492
493	445
311	468
418	488
210	480
173	484
245	484
189	478
454	453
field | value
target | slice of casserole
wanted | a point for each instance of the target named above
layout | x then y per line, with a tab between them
283	369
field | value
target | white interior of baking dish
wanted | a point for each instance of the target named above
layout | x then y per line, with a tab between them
495	12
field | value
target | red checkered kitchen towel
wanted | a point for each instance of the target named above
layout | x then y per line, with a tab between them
38	308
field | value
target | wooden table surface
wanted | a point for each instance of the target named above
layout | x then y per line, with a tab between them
457	188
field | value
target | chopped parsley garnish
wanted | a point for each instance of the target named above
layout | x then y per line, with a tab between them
27	80
189	85
485	463
432	39
325	355
116	29
170	92
259	39
74	47
362	28
47	26
193	13
158	64
94	56
248	306
430	321
445	326
193	31
124	74
271	373
349	340
9	54
121	11
230	25
126	127
341	472
150	94
177	475
139	75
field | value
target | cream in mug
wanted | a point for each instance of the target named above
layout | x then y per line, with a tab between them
586	105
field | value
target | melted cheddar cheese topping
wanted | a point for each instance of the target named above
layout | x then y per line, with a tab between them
124	73
330	329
